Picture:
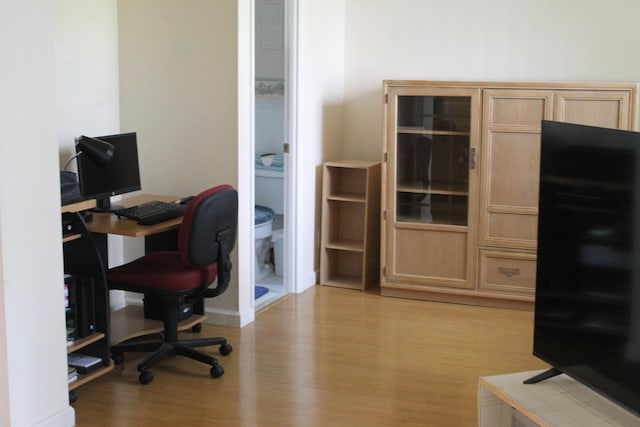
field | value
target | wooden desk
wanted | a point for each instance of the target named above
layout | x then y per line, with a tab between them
108	223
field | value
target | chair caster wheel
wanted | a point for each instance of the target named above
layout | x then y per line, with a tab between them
225	349
196	328
145	377
73	396
117	358
216	371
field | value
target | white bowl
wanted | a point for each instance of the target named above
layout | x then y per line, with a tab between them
267	158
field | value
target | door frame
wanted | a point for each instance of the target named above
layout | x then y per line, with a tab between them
246	153
290	136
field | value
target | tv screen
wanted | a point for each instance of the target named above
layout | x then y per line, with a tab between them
120	175
587	311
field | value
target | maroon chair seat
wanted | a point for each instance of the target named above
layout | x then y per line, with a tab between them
165	271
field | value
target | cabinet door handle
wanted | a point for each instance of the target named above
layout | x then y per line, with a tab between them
472	158
509	272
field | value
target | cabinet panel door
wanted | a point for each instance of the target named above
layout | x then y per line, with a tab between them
510	165
430	197
431	257
605	108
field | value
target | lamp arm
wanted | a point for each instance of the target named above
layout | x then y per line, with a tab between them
66	165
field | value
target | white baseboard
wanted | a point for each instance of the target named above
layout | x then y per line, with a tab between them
228	318
63	418
215	316
308	282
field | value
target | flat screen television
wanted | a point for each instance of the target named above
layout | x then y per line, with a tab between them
587	310
120	175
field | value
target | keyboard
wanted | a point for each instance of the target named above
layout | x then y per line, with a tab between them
152	212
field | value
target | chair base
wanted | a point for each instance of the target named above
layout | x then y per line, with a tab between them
163	349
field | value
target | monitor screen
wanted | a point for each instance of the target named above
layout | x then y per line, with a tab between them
120	175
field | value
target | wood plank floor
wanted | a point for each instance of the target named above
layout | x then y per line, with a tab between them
327	357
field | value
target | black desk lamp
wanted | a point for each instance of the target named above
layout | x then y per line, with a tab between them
96	150
99	152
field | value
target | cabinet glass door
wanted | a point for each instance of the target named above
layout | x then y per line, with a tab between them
433	156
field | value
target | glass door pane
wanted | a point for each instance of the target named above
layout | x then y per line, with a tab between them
433	139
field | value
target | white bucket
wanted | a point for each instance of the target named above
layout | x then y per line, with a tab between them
277	239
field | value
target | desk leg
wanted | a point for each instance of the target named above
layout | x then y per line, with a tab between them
100	240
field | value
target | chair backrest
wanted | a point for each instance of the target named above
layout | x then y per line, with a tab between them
209	228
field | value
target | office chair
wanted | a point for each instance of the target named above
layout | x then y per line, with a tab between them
205	238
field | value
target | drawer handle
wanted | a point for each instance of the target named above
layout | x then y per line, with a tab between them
505	271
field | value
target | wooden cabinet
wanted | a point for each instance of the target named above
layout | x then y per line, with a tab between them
350	224
473	239
83	260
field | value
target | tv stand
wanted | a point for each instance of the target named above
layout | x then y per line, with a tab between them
549	373
504	401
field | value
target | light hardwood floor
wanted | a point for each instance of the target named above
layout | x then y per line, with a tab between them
327	357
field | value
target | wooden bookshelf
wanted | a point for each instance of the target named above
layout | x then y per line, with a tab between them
350	253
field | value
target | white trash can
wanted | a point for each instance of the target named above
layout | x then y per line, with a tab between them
277	240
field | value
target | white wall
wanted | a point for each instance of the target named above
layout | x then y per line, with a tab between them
321	61
269	42
86	70
178	91
269	47
269	39
527	40
87	86
33	388
269	123
178	80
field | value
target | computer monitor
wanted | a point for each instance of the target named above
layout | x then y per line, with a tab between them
120	175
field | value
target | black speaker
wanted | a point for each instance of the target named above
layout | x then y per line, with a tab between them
85	309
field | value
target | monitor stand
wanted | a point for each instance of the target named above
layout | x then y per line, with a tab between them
105	205
543	376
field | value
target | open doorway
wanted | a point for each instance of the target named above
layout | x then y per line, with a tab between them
269	145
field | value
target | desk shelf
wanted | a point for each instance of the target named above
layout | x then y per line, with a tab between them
129	322
78	206
83	342
71	237
85	378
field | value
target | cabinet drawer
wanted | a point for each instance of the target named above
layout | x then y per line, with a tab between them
507	272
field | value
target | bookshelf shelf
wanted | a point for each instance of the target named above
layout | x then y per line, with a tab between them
85	274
